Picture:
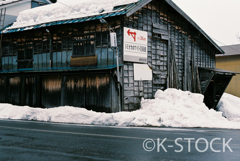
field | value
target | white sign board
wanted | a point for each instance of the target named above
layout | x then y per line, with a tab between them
142	72
135	45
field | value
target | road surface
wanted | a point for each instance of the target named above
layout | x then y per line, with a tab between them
31	140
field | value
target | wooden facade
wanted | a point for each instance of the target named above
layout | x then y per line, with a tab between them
73	64
175	49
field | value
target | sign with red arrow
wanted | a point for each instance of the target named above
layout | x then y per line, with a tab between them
135	45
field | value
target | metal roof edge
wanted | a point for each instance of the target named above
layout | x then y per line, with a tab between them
217	70
137	6
67	21
59	69
181	12
225	55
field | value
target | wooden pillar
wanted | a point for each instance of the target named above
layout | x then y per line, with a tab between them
185	77
193	69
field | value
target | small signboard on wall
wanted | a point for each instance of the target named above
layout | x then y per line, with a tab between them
135	45
142	72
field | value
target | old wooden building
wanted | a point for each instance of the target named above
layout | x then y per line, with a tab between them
71	62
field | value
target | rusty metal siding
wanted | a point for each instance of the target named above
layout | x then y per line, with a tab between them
94	91
73	92
30	90
2	89
14	89
98	93
51	91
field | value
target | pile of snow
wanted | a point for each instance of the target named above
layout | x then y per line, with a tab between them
230	107
66	9
172	108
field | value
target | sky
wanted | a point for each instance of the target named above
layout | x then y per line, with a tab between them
220	19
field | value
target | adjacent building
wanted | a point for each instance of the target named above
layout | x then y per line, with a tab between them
72	61
14	7
231	61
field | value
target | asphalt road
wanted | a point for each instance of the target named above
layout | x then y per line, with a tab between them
30	140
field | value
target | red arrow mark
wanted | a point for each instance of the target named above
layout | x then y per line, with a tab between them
133	34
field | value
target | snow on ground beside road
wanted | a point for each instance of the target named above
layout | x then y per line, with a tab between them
230	106
171	108
64	10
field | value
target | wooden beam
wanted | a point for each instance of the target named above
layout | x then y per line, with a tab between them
168	60
208	81
193	68
198	80
185	80
174	69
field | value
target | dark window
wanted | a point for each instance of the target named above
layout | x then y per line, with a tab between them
57	43
83	47
9	47
35	4
25	53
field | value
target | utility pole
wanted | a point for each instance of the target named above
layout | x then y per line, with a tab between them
114	47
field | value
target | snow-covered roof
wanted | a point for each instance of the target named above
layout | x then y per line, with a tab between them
65	10
75	11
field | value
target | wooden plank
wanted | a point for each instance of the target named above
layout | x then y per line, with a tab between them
189	80
160	31
160	26
168	61
175	78
83	61
165	37
198	80
193	68
208	81
185	65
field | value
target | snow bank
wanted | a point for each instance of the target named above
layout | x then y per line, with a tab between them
230	106
65	9
171	108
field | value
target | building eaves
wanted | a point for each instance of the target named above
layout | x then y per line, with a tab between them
220	71
224	55
71	21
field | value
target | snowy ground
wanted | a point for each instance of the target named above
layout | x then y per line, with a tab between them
230	107
171	108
